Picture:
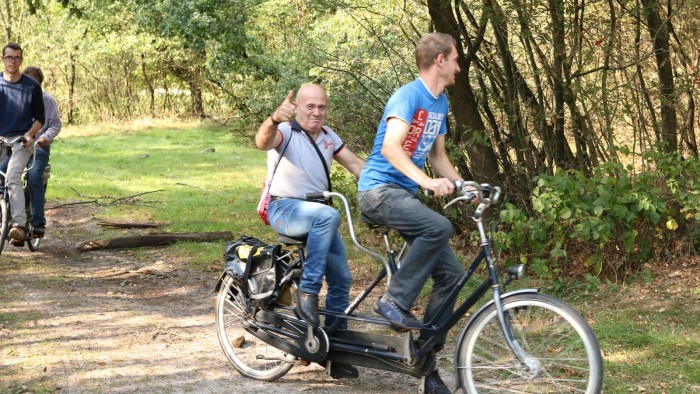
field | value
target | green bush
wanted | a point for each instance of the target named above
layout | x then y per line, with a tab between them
607	222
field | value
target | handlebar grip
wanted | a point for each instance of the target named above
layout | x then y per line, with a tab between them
316	196
457	183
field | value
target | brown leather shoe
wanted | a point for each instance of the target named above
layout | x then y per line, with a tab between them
16	234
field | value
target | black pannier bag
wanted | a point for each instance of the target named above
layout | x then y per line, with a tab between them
254	265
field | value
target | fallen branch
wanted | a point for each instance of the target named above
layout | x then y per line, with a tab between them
120	199
162	239
130	225
127	200
71	204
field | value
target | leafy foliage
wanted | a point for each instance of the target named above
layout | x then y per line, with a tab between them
607	222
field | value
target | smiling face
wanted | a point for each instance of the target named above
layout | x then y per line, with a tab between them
312	107
12	59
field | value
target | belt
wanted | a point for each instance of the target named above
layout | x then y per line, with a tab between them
275	198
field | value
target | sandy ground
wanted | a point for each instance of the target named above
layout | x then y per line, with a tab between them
126	322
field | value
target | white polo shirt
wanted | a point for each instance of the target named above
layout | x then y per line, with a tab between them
300	171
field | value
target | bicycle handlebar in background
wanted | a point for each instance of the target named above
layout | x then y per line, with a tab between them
6	142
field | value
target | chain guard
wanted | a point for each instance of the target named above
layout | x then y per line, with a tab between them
289	335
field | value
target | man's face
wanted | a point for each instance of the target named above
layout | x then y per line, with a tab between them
12	59
312	107
450	67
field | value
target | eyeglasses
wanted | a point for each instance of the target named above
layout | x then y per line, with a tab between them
14	59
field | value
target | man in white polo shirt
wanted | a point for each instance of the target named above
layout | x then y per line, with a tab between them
295	132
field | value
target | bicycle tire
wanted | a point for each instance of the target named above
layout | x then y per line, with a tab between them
4	223
32	242
556	337
250	356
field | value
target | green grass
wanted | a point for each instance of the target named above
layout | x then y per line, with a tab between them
649	346
189	190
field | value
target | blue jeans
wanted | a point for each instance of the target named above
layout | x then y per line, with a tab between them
35	182
430	254
325	251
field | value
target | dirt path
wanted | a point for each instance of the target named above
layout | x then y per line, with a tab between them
125	322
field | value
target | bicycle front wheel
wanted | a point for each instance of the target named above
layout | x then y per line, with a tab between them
4	222
249	355
562	353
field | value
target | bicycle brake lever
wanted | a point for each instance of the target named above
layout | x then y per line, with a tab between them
466	197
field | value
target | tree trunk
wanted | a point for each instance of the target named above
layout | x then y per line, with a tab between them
469	125
659	33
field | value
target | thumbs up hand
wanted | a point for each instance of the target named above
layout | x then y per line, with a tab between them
286	110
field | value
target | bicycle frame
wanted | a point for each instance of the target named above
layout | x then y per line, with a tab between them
434	327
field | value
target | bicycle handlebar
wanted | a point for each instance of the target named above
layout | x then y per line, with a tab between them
5	142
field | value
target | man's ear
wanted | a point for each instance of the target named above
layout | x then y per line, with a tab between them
439	59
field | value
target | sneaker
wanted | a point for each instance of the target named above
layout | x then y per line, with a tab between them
38	232
16	234
398	317
434	385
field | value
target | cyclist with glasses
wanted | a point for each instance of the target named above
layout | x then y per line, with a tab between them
21	114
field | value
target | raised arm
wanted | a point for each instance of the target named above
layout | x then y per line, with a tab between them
267	136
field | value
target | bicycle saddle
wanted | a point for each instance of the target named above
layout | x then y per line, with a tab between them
369	222
287	240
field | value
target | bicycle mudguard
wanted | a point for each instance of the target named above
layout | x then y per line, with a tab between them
219	282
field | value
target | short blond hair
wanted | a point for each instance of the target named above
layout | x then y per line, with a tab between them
430	46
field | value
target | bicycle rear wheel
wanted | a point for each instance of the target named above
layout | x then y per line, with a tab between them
251	356
4	222
563	353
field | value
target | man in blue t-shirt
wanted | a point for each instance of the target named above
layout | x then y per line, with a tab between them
412	130
21	114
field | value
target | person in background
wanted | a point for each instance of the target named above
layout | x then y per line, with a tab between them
45	136
21	115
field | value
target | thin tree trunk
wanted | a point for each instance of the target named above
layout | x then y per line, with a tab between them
469	125
659	34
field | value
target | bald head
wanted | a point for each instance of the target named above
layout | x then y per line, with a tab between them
312	106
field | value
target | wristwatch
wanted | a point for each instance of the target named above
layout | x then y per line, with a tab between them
273	119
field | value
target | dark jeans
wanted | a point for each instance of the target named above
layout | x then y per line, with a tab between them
35	181
430	254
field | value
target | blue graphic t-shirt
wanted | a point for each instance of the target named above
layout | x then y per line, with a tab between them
427	117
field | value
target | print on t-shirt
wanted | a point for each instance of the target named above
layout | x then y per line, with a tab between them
426	125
